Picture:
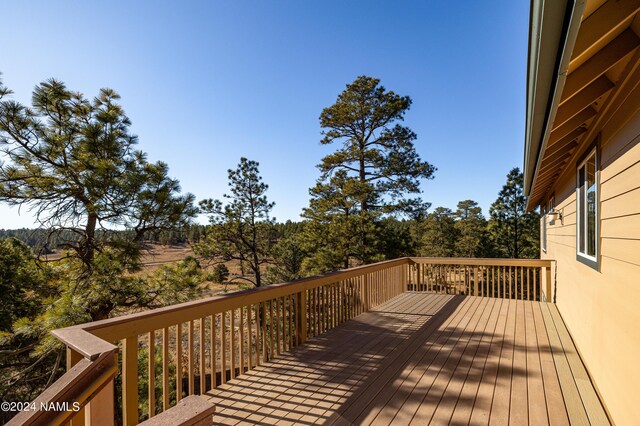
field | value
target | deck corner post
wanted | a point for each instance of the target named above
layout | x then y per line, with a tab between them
73	358
100	410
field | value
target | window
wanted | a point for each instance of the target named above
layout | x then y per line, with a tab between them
587	220
543	238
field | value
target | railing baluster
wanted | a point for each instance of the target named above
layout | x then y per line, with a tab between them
223	347
178	356
213	355
151	374
130	381
232	342
191	359
202	367
278	326
165	368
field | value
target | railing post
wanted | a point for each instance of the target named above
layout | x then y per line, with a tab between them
100	410
73	358
548	278
405	276
130	381
302	317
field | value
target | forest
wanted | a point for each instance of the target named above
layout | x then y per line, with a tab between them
100	203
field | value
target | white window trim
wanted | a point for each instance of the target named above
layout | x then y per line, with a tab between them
590	259
544	229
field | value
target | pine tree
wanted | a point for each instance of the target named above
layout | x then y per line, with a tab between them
242	229
73	162
471	229
514	231
439	234
370	175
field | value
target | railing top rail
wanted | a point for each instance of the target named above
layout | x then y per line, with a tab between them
482	261
114	329
76	385
117	328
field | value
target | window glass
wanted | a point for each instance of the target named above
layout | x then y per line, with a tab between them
591	206
581	238
587	197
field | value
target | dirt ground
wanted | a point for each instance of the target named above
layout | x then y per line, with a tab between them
157	255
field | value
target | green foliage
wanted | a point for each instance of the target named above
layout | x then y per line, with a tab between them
26	291
73	162
287	257
471	228
375	149
368	177
514	232
336	231
220	273
242	229
21	279
439	234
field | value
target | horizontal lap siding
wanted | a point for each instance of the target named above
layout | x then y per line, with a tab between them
602	308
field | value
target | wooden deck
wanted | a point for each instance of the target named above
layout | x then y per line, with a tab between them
424	359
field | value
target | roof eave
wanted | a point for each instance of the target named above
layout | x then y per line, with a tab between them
553	29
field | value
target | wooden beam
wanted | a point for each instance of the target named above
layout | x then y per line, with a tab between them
599	63
555	162
571	125
608	18
571	136
582	100
629	80
548	158
567	146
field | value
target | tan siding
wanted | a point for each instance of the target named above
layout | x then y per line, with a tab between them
602	308
623	205
621	227
621	183
622	249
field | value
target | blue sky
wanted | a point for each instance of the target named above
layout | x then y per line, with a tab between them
205	83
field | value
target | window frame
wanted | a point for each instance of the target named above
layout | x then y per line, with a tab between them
543	239
581	215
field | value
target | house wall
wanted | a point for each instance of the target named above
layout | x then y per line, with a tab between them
602	307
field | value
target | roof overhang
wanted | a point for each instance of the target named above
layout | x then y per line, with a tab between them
583	63
553	28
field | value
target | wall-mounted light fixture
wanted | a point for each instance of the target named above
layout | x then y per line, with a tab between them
554	215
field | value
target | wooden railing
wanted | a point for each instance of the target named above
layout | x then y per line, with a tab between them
525	279
169	353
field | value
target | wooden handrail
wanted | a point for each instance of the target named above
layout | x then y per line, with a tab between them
482	261
68	395
213	340
525	279
117	328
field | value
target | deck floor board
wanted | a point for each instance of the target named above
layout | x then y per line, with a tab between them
423	358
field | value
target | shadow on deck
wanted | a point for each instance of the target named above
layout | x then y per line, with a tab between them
423	358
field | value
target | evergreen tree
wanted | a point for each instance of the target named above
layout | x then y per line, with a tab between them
439	234
471	229
73	161
375	169
242	229
336	232
514	231
287	257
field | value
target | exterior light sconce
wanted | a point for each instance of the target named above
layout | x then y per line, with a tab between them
554	215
